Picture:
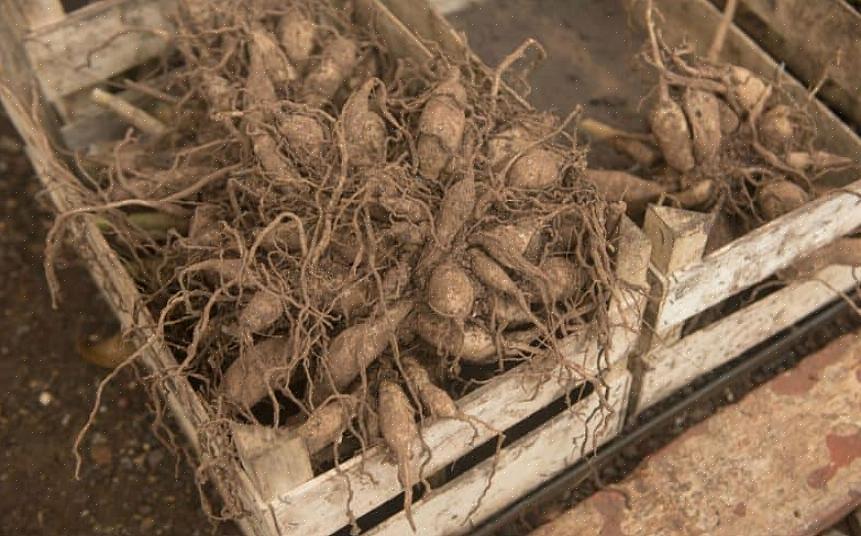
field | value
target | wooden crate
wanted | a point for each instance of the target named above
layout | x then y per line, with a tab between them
811	37
685	283
267	471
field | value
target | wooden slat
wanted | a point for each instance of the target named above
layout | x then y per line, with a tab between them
696	20
784	460
520	468
670	368
810	35
508	399
759	254
17	76
273	458
97	42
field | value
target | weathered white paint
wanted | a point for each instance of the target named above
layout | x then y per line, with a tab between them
759	254
98	41
520	468
670	368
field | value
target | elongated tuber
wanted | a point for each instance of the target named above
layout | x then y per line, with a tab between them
401	434
441	126
336	62
358	346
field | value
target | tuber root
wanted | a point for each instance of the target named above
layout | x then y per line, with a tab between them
326	424
450	291
779	197
441	126
401	434
437	401
358	346
336	62
703	112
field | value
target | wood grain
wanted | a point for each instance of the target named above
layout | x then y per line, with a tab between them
669	368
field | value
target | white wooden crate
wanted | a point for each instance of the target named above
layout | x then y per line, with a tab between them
689	284
40	49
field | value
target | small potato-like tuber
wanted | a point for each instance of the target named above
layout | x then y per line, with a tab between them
747	88
564	279
635	192
297	34
336	62
670	128
262	310
304	134
249	378
776	128
450	291
273	61
538	168
779	197
437	401
365	131
703	112
326	424
441	126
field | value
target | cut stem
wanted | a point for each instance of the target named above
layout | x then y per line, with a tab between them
128	112
722	29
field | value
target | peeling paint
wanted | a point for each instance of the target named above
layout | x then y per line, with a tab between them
611	506
843	450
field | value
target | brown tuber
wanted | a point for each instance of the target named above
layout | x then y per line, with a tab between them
703	112
326	424
776	128
635	192
441	126
670	128
437	401
400	433
358	346
249	378
297	34
336	62
304	134
450	291
538	168
262	310
746	88
364	130
779	197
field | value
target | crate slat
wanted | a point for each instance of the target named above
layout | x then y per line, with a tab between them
98	41
807	35
505	401
670	368
522	466
758	254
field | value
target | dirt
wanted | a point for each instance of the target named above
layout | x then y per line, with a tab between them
129	484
